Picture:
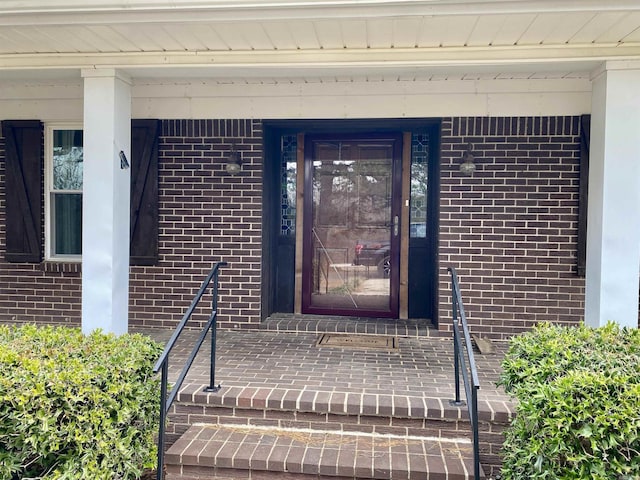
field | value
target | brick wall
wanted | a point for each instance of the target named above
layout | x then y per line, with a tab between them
511	228
29	292
206	215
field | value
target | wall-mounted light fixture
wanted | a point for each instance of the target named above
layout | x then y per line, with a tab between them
124	163
467	167
234	162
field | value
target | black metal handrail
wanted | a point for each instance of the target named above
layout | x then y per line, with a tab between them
469	370
163	362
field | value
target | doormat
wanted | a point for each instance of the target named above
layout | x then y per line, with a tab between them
358	342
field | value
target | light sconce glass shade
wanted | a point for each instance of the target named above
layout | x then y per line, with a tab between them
234	164
468	167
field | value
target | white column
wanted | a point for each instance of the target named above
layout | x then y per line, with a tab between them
105	204
613	231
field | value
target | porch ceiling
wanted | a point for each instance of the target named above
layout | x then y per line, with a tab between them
317	40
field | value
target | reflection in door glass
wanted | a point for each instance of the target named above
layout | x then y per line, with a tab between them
419	177
351	225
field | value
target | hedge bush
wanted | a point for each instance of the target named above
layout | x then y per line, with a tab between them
75	406
578	411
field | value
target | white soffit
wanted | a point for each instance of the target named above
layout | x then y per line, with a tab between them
371	39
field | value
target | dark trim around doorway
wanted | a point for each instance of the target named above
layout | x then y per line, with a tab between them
274	266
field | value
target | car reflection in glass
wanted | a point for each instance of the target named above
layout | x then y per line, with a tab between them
378	253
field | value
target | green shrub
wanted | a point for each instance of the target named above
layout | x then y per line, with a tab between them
75	406
578	412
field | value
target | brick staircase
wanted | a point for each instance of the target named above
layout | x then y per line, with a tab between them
260	429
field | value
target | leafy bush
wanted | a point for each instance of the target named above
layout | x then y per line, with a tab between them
75	406
578	412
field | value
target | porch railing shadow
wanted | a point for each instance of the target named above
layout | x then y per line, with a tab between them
465	365
162	365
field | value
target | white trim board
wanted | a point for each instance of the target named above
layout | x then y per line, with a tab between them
206	98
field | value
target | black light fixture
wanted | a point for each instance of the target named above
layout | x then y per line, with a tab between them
124	163
234	162
467	167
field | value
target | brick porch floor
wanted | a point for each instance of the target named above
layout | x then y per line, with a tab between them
280	367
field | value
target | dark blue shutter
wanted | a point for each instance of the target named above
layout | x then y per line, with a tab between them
144	192
23	190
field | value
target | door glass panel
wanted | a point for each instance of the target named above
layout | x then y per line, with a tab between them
288	172
419	183
351	225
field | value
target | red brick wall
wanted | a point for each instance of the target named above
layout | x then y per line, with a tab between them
510	230
35	292
206	216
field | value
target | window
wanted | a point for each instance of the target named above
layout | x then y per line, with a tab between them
63	192
419	184
288	171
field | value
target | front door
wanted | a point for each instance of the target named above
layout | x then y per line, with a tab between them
351	225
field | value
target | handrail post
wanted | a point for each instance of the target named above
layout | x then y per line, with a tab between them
456	368
163	418
476	439
456	348
212	387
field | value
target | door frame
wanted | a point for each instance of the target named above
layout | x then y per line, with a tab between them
396	202
272	263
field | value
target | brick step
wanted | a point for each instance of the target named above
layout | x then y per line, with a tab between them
186	415
374	413
338	403
260	452
339	412
296	323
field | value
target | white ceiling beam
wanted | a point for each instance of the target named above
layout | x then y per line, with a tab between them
352	58
66	12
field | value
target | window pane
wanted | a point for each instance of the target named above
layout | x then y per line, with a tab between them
288	169
67	160
67	224
419	182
